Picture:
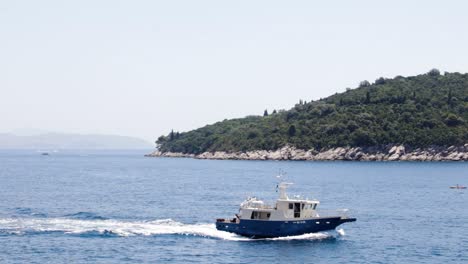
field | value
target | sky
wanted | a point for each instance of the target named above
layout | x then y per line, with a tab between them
142	68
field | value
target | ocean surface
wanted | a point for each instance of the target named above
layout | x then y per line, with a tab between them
120	207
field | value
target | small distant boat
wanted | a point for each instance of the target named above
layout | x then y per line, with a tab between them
45	153
457	187
288	217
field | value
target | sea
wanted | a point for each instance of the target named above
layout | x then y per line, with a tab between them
86	206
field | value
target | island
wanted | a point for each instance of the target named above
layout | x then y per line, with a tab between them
415	118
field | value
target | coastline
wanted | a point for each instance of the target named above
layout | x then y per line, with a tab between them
385	153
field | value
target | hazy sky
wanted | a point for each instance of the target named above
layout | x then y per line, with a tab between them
141	68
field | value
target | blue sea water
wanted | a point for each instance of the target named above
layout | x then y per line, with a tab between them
120	207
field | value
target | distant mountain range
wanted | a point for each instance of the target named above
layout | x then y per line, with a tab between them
52	141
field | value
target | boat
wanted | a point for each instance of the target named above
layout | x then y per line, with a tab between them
457	187
45	153
288	217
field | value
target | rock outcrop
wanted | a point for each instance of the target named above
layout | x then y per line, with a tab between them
385	153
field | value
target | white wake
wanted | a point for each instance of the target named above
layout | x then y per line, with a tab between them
19	226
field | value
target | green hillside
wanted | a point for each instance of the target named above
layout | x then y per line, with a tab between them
418	111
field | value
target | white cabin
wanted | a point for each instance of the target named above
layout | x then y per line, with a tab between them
285	209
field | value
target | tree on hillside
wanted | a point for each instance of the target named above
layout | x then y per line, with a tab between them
265	113
449	97
367	97
434	72
364	83
380	81
292	131
171	135
453	120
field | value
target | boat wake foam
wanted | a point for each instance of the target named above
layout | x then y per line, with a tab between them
109	227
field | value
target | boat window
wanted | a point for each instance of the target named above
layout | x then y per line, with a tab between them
291	206
303	206
315	205
260	215
297	210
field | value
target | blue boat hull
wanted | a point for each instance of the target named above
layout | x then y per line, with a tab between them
268	229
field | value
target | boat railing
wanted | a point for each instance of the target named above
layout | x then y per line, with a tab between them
343	213
257	206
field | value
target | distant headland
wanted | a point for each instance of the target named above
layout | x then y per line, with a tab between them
55	141
416	118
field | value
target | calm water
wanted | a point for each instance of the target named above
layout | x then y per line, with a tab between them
106	207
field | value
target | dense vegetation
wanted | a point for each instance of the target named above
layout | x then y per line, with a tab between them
419	111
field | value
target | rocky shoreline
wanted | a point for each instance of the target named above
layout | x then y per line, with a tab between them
384	153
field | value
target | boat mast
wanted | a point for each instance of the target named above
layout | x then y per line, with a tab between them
282	186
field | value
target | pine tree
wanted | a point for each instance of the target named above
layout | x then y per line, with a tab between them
449	97
171	135
292	131
367	97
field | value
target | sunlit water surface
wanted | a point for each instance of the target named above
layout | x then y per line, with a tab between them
111	207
